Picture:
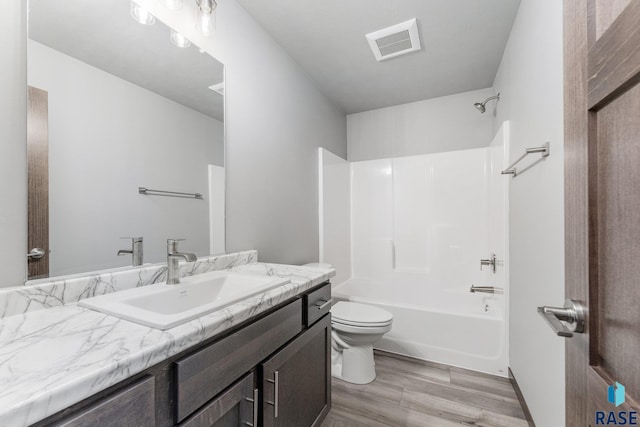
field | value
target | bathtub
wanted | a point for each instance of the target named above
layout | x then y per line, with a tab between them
449	326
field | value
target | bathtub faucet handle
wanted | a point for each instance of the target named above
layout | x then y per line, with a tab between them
492	262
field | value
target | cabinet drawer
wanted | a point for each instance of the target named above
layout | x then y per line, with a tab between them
236	406
317	304
131	407
204	374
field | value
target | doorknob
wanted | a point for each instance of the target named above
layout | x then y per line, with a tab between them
36	253
567	320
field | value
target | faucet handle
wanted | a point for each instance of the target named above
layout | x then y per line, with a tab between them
172	245
133	239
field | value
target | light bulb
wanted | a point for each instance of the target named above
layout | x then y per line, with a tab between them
173	4
140	15
179	40
205	23
205	17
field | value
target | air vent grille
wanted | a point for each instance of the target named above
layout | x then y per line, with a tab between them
395	41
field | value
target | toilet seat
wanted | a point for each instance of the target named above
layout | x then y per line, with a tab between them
360	315
361	330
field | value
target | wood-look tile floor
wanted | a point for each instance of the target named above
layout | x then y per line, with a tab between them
410	392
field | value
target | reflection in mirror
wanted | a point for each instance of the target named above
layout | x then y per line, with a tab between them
114	106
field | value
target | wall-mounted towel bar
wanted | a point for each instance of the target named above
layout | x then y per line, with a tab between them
511	170
149	192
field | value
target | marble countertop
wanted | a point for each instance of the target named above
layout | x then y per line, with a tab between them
53	358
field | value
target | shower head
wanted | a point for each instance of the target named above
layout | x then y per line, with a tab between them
481	106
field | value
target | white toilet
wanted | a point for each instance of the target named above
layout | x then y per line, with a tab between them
354	329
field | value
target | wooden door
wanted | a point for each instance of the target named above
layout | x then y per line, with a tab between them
602	206
297	380
38	181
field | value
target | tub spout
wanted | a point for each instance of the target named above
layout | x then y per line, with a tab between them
486	289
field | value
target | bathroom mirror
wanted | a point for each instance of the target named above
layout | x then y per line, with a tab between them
115	105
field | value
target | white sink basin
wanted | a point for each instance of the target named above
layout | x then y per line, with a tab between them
164	306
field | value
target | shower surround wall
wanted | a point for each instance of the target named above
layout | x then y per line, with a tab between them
434	125
420	226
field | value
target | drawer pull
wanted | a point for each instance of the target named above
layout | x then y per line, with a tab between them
254	402
323	304
274	381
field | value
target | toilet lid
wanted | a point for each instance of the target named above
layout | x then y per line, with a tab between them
353	313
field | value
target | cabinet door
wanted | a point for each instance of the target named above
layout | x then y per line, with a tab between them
236	406
296	381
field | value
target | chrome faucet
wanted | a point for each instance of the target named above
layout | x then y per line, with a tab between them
135	251
173	258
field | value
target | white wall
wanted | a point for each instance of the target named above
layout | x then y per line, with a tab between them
276	119
335	214
108	136
431	126
13	129
530	81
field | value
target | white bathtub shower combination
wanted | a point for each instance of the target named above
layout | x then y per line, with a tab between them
419	226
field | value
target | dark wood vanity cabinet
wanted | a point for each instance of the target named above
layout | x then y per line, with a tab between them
296	381
205	373
271	371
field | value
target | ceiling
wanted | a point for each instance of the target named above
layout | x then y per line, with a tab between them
102	34
462	45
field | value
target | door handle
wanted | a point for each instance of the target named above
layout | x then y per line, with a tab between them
36	253
567	320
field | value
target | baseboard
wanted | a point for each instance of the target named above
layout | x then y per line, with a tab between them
523	403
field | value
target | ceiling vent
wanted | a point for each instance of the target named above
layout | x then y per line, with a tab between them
395	41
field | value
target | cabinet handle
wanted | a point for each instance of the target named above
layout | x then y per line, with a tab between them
254	401
275	382
323	304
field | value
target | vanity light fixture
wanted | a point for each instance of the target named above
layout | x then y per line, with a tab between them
141	15
179	40
205	17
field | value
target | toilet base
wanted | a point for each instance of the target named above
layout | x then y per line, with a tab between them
354	364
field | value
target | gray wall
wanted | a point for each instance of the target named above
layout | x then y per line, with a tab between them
13	163
531	85
434	125
276	118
